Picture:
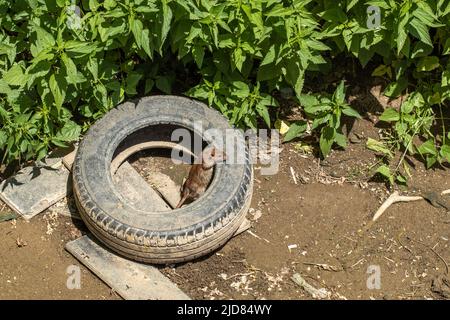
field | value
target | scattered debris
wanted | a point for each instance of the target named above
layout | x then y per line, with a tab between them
258	237
396	197
21	243
256	214
321	293
441	286
292	246
51	218
293	175
324	266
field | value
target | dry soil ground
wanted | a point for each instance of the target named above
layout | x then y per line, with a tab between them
317	227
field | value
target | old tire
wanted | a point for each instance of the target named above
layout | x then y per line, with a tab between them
166	237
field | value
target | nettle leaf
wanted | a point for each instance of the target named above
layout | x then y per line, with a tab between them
71	69
307	100
381	70
341	140
45	39
79	49
395	89
295	75
378	146
132	82
446	49
386	172
348	111
164	84
264	113
15	76
318	108
428	147
327	139
198	52
166	18
295	130
444	152
339	93
58	87
238	58
420	31
428	63
70	132
390	115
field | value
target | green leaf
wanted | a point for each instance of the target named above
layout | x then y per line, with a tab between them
444	152
446	49
395	89
348	111
165	25
420	31
386	172
307	100
339	93
15	76
70	132
378	146
131	83
295	130
401	179
71	68
428	63
58	88
264	113
381	70
319	108
427	147
295	75
341	140
327	140
198	52
164	84
145	42
149	83
79	49
390	115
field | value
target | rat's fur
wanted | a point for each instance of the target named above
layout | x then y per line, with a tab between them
200	175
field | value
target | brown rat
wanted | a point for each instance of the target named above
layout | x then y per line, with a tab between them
200	174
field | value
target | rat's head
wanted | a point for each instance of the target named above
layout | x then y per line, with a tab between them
212	155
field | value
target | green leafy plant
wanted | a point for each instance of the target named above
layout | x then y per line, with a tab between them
59	72
325	113
410	132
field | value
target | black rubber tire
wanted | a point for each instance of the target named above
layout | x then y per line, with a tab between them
167	237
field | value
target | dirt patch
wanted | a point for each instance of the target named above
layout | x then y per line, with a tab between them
317	227
33	261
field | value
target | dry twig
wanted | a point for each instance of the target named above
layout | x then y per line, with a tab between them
396	197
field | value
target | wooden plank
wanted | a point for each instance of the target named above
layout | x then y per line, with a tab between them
136	191
35	188
131	280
